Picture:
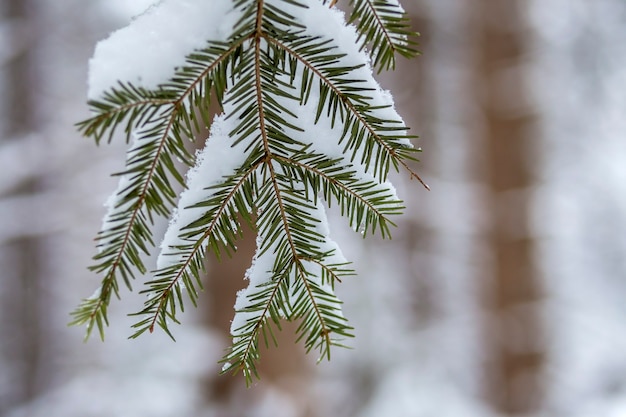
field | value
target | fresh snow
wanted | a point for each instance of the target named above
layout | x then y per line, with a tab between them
146	52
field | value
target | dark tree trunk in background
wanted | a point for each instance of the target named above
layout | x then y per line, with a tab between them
513	329
20	299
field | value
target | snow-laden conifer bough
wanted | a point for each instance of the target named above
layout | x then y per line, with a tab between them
303	125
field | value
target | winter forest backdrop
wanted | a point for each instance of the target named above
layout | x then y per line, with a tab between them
502	293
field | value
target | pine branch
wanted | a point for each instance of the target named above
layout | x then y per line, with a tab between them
290	289
366	204
344	96
214	230
279	88
383	27
127	103
145	188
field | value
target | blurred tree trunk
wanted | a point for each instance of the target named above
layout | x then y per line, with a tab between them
21	297
414	92
515	354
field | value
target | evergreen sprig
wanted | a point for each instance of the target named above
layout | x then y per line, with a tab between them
268	68
384	27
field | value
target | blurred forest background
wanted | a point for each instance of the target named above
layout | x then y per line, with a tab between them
503	292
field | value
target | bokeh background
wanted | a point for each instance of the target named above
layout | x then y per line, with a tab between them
503	292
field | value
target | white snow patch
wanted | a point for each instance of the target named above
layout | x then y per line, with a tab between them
146	52
217	160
